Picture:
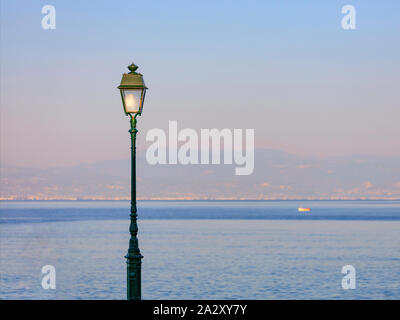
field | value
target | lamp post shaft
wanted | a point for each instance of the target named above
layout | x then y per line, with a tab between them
133	257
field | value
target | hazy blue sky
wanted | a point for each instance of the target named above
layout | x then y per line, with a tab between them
285	68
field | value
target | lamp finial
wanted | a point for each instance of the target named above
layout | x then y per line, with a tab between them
132	68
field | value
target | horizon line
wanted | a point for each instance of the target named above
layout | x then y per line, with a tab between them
180	199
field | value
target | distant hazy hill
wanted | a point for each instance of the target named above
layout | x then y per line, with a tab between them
277	175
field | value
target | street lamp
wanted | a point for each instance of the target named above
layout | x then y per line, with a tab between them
133	91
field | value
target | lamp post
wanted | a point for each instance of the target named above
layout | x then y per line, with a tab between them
133	91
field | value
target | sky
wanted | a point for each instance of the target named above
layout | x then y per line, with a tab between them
284	68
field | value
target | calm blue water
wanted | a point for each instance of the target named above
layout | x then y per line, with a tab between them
202	249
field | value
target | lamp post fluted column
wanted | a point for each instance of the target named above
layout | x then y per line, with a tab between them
133	257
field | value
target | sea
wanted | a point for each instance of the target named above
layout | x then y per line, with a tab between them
202	249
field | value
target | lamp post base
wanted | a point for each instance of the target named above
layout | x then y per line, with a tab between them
134	266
